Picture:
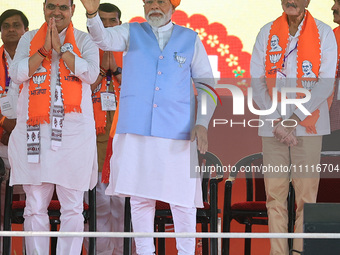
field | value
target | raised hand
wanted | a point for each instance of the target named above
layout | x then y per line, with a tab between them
91	6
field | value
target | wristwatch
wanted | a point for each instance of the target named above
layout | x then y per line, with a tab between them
66	47
118	71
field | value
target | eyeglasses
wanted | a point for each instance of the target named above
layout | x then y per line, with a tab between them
159	2
62	8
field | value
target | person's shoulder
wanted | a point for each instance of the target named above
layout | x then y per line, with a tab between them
263	34
266	28
78	32
189	30
30	34
322	27
81	35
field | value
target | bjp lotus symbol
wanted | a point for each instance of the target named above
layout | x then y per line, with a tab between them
274	58
180	59
38	80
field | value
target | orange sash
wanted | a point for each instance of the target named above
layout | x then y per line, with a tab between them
109	152
308	48
99	115
3	66
106	166
39	85
337	37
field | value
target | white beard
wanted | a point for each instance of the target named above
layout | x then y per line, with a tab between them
158	21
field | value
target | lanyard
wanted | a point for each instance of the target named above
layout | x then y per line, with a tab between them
108	80
286	56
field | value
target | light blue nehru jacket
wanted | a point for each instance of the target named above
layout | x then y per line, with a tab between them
156	85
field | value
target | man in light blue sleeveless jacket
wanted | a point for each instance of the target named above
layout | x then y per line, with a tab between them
157	135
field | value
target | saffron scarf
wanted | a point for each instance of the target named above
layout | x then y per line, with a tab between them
4	78
99	115
308	49
68	96
337	37
39	85
106	167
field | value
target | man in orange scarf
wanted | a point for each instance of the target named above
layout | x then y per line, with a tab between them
331	142
293	139
54	142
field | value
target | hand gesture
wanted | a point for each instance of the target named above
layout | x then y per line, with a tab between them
285	135
48	39
56	44
91	6
105	63
113	66
200	133
290	140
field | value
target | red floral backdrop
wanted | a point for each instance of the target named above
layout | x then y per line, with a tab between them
233	62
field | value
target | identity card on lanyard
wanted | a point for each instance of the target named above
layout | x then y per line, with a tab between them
107	98
280	75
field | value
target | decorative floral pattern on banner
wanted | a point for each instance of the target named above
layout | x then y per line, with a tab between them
232	61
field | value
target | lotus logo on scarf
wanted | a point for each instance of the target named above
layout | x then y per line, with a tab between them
38	80
309	85
275	58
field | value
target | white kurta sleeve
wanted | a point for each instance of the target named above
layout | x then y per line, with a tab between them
87	67
108	39
18	70
202	73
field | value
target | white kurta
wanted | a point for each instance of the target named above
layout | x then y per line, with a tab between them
322	90
74	164
153	167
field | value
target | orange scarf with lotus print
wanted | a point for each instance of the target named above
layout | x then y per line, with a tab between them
39	85
308	49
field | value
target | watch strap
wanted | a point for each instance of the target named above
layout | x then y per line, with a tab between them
118	71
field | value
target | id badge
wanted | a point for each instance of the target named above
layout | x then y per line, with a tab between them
8	107
280	80
108	101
